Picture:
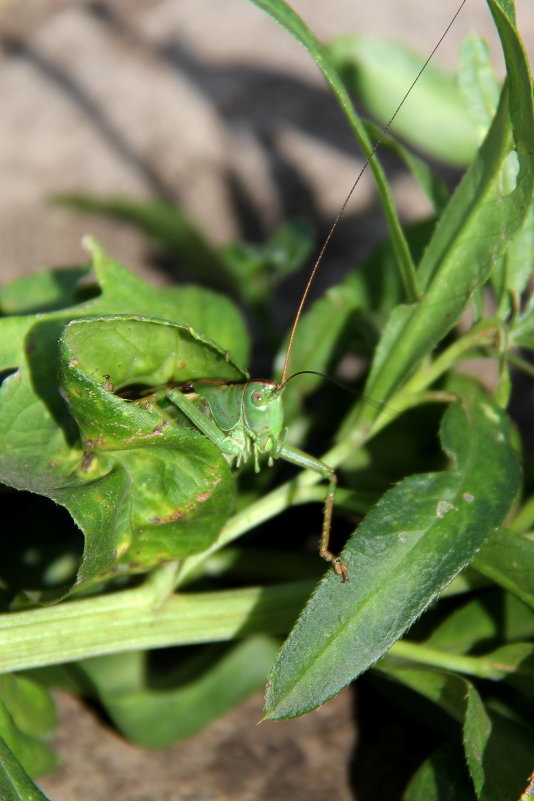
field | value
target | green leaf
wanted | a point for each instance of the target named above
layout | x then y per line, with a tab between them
346	321
256	270
477	82
320	333
492	617
170	487
164	223
15	784
284	15
442	777
433	119
498	751
472	233
446	690
27	716
435	189
30	705
205	311
43	291
247	271
410	546
204	687
108	496
508	559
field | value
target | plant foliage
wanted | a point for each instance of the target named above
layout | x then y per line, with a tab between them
446	526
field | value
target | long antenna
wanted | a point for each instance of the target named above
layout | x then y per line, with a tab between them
340	213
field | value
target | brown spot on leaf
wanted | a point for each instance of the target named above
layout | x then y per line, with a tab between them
107	385
176	515
87	461
95	444
157	431
74	363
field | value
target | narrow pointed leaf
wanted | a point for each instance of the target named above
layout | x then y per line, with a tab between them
410	546
479	222
498	751
15	784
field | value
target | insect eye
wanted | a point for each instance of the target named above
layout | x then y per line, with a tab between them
257	397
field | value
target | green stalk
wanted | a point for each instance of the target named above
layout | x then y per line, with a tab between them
136	619
484	667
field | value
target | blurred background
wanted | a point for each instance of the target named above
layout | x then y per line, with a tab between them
208	105
211	106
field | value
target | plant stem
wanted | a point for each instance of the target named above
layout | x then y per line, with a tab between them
129	620
482	666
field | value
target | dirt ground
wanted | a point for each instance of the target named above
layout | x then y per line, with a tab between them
215	107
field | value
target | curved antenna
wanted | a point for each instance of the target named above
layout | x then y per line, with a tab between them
340	213
380	405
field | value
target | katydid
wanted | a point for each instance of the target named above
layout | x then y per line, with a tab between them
245	420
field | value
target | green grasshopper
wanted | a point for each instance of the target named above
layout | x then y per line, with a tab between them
246	420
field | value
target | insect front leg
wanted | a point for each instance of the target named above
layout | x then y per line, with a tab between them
307	462
208	427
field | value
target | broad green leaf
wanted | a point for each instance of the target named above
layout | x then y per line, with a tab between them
206	312
41	450
44	291
203	688
15	784
12	342
411	545
442	777
472	233
508	559
433	119
101	355
176	487
27	716
498	751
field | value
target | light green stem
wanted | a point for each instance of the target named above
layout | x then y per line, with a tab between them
481	666
136	619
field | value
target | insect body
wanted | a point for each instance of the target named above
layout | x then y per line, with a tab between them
246	420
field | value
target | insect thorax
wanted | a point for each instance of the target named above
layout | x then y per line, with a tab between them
251	415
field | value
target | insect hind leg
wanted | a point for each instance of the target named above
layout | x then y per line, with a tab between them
304	460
